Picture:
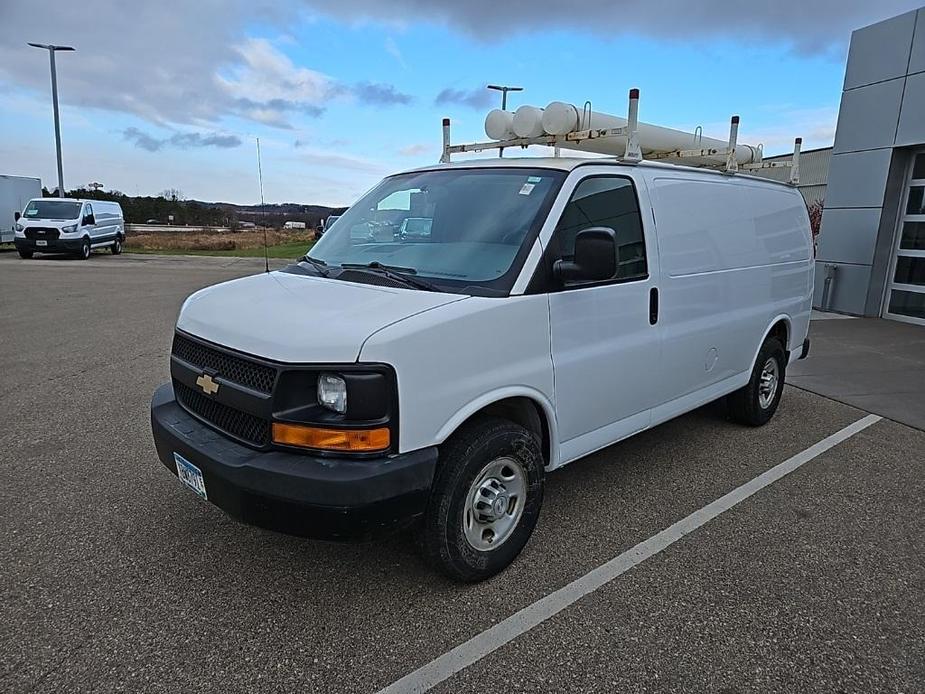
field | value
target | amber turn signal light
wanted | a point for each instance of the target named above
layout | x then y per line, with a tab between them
353	440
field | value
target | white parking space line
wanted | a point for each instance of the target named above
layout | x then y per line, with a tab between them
490	640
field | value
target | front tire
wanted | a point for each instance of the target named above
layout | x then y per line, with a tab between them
485	501
757	402
25	255
84	251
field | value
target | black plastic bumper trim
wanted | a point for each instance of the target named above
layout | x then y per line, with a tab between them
295	493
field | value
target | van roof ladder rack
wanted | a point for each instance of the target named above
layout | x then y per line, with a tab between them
726	156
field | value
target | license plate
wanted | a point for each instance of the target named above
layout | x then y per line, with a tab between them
190	475
40	242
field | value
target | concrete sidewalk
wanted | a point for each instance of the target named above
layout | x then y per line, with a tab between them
874	364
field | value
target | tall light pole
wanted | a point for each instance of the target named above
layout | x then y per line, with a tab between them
504	91
54	100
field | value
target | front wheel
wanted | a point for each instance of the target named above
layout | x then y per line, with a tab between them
84	251
485	501
757	402
25	255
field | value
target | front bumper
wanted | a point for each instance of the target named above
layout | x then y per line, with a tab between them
52	245
299	494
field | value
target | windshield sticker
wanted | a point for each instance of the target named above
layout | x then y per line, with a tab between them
534	179
31	213
527	188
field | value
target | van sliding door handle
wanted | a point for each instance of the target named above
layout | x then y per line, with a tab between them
653	306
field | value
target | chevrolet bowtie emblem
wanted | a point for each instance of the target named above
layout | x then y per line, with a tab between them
209	387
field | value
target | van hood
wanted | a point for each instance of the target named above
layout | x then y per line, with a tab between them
300	319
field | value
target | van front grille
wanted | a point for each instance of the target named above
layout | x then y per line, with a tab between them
241	425
239	370
42	233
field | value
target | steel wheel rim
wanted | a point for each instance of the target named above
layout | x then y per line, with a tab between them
767	383
494	504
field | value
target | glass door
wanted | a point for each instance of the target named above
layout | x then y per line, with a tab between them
905	296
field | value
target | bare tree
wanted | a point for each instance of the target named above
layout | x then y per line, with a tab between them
172	194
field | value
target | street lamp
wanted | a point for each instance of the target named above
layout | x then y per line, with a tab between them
54	100
504	91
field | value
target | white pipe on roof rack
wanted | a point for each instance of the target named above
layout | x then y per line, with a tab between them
560	118
528	121
499	125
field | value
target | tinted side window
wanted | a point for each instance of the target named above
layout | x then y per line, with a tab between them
606	201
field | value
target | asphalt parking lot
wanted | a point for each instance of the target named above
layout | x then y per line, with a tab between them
115	578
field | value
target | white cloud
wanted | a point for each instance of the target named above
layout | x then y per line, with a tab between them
266	83
393	50
775	127
171	62
417	149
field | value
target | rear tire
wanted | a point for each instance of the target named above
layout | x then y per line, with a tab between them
84	251
757	402
485	501
116	246
25	255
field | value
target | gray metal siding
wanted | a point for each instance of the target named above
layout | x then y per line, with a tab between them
882	109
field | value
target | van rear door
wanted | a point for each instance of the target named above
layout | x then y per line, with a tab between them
606	348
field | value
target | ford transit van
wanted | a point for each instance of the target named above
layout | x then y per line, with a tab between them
65	225
554	306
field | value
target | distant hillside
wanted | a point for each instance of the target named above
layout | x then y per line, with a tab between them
139	209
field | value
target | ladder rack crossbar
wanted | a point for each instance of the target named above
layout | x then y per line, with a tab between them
548	140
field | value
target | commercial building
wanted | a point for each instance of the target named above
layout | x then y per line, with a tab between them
871	252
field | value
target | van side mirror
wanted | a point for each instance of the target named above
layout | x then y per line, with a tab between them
16	216
595	257
88	219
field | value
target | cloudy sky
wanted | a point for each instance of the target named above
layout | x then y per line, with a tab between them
169	94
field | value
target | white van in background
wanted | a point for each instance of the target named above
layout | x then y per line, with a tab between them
554	307
66	225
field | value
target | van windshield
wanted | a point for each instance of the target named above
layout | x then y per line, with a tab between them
52	209
459	228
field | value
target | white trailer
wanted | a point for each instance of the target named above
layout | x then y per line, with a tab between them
15	193
294	225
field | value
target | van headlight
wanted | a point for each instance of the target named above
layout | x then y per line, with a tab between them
69	229
332	392
19	227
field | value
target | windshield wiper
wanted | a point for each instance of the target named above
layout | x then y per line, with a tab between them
320	265
394	272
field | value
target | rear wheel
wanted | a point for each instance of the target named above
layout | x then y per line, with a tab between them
25	255
84	251
116	247
757	402
485	501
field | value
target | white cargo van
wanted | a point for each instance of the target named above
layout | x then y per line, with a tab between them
67	225
556	306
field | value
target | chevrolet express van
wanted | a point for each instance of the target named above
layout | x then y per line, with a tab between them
66	225
556	306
